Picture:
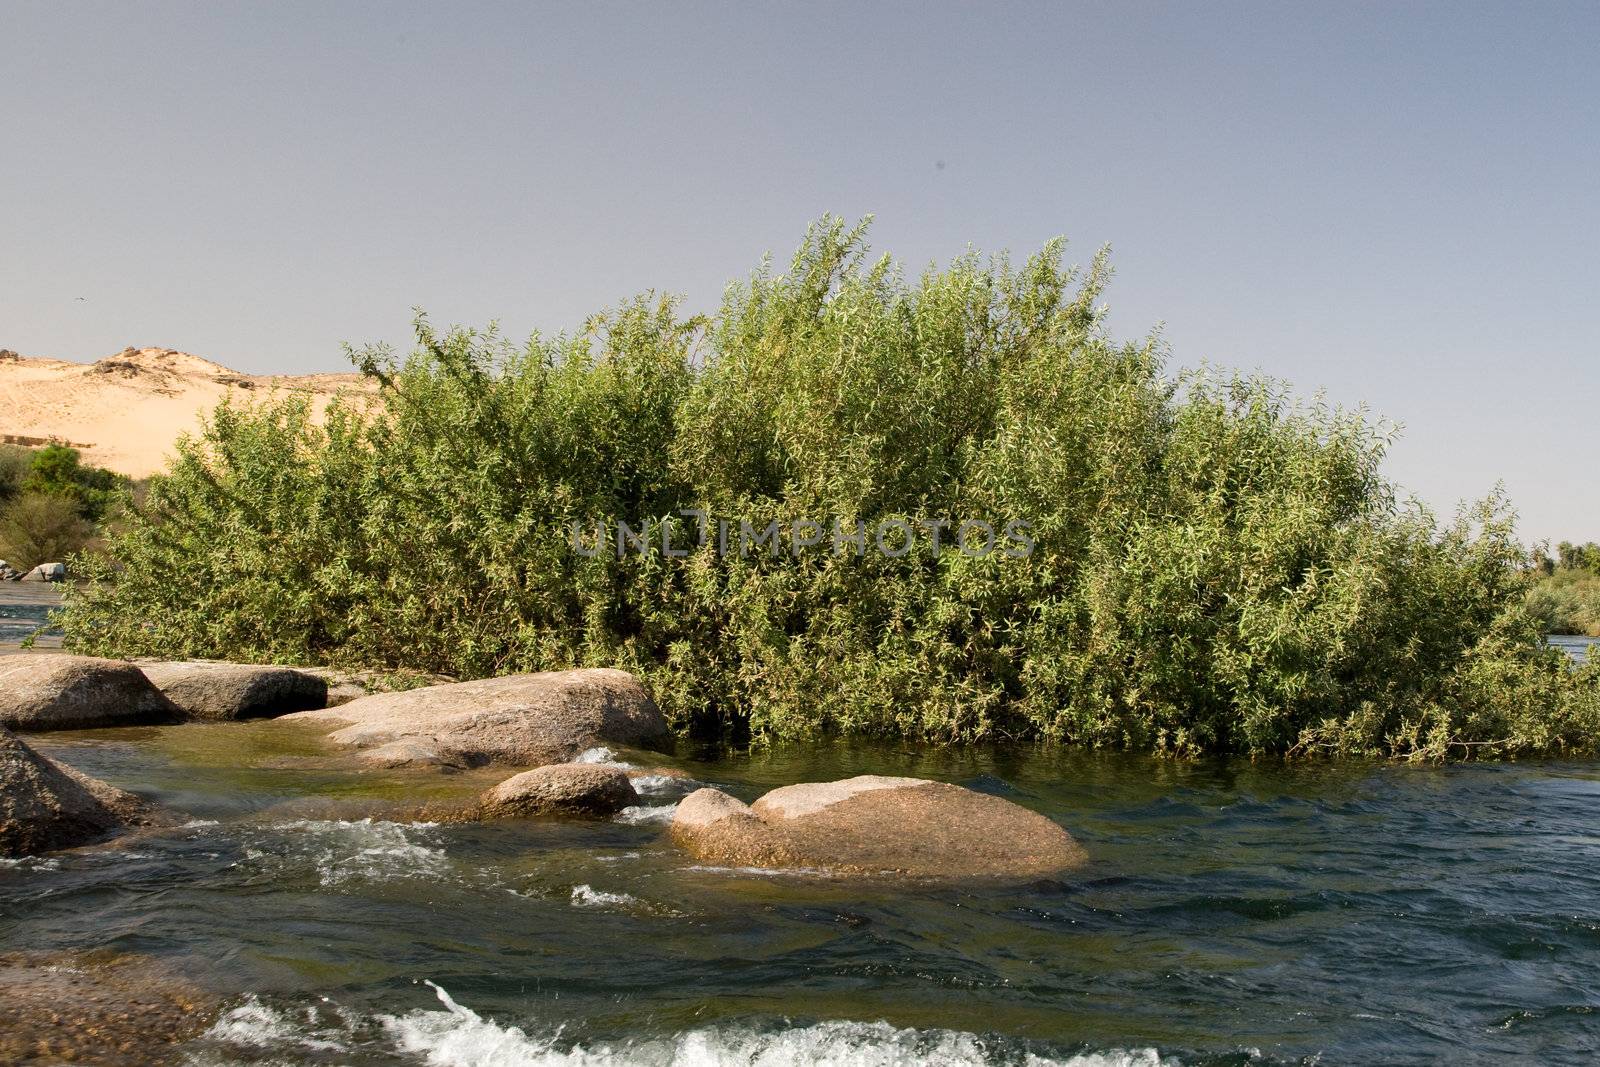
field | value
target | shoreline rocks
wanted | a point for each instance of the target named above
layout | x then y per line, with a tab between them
215	691
526	720
56	691
874	824
45	805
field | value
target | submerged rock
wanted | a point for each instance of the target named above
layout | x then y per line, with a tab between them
411	752
97	1008
45	805
216	691
526	720
53	691
561	789
873	824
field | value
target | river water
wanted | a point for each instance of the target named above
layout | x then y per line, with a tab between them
1231	913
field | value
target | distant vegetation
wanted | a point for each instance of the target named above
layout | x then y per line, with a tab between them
1566	597
51	503
1218	568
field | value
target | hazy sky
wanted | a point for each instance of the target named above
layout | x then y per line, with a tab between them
1399	203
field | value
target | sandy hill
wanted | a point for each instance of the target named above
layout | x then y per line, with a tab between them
125	411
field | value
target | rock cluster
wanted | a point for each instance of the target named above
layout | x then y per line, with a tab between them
865	825
875	824
8	573
44	572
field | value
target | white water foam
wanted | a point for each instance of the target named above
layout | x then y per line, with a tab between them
664	785
257	1025
344	851
460	1037
646	814
587	896
605	757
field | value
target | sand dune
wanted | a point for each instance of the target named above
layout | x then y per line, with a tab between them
125	411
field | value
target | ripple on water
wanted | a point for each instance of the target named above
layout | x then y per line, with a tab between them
341	852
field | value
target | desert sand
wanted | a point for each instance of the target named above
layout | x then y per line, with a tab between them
126	411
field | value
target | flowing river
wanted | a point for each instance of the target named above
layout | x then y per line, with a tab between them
1231	913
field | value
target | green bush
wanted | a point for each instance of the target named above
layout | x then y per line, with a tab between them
56	470
15	462
1566	597
39	528
1216	567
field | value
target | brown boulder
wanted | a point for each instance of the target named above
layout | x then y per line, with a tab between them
52	691
561	789
45	805
875	824
217	692
526	720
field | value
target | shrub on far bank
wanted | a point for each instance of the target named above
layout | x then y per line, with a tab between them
56	470
1217	568
51	503
38	528
1566	597
15	462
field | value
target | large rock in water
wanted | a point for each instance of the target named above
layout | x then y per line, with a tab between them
561	789
875	824
206	689
525	720
51	691
45	805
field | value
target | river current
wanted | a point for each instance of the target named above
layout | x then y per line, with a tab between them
1231	913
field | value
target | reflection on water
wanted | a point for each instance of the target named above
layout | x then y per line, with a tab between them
1232	912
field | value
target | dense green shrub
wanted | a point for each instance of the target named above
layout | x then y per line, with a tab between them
56	470
51	503
1566	597
14	464
39	528
1216	568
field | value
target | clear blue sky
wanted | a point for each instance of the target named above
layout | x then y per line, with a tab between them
1397	203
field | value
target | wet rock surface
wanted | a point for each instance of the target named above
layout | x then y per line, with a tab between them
55	691
215	691
875	824
527	720
561	789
